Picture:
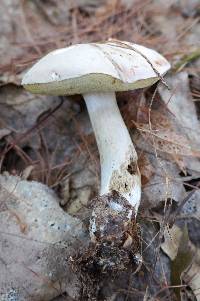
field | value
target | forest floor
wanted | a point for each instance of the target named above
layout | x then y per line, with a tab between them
50	139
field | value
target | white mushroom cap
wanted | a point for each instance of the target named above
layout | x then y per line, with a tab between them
96	67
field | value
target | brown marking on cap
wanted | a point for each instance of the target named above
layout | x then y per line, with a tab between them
160	62
114	81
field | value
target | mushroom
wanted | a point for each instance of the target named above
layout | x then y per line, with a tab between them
97	71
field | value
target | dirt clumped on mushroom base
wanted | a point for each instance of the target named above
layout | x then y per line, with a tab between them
115	243
127	176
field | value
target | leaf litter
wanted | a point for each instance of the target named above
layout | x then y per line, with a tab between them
164	124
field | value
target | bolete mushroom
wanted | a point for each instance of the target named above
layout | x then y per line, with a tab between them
97	71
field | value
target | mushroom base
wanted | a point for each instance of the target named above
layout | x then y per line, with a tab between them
115	241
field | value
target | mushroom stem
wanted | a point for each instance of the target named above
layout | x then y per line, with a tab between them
119	170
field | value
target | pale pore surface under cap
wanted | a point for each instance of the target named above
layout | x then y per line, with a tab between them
95	67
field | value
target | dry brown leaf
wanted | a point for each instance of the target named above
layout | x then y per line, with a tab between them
165	183
166	140
32	262
180	103
4	132
181	262
171	242
192	275
146	169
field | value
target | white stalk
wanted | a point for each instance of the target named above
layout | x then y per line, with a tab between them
118	158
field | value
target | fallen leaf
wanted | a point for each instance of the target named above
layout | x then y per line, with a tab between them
192	275
180	103
146	169
181	262
36	237
172	237
164	183
4	132
167	140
